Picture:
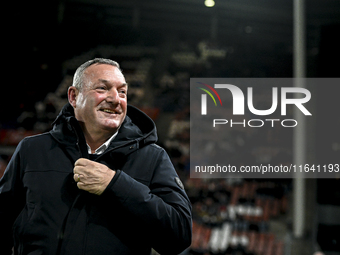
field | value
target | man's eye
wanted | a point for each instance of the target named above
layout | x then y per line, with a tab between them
122	91
100	88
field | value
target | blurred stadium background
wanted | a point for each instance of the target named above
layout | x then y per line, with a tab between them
160	45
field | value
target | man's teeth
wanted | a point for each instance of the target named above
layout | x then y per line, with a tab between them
107	110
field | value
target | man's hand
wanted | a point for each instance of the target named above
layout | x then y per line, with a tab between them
92	176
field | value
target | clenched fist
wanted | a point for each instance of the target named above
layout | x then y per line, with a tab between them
92	176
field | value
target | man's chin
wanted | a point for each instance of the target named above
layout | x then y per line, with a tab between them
113	126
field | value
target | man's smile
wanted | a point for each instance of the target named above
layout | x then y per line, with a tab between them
108	111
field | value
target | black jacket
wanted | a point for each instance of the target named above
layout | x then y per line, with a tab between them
144	205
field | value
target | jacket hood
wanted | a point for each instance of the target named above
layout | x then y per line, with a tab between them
137	127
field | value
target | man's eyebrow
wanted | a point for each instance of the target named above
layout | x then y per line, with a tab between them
106	81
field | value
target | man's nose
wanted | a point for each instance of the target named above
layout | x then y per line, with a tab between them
113	96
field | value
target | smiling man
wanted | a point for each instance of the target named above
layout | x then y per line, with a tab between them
100	105
97	183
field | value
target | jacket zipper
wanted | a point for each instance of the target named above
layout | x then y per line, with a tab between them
63	227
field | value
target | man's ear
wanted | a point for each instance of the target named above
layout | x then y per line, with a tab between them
72	94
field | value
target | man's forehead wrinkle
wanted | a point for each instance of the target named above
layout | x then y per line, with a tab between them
104	80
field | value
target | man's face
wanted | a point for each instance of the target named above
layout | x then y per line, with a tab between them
102	102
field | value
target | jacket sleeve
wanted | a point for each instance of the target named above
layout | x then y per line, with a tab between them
162	207
11	201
